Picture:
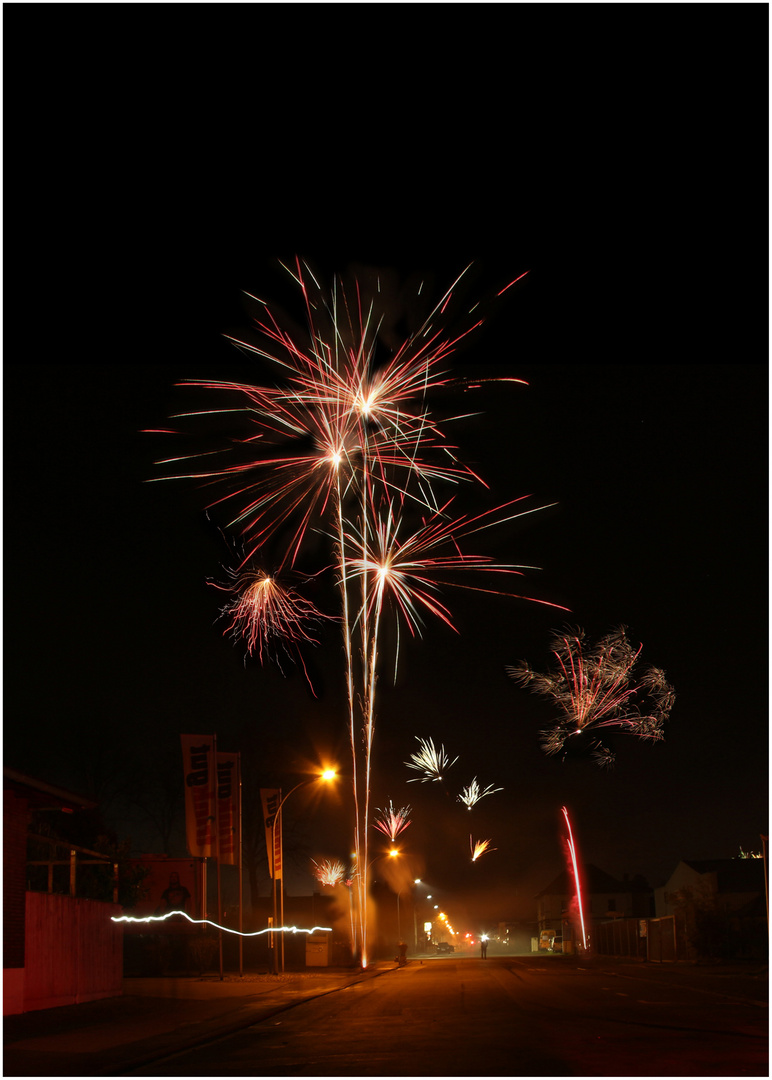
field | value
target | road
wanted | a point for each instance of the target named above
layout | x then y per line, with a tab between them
502	1016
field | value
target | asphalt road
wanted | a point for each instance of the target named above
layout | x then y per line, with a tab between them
503	1016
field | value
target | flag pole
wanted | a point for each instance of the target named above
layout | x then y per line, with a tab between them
217	846
241	879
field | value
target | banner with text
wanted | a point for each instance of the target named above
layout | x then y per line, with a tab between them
271	798
198	761
228	804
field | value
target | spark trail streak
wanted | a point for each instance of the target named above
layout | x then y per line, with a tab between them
346	447
579	900
208	922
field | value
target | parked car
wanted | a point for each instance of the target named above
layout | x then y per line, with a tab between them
557	945
444	947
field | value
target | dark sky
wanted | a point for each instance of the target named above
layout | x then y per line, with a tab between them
641	332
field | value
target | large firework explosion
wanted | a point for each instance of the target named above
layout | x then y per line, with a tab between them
345	446
597	689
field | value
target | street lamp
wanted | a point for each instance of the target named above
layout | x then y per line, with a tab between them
417	881
327	775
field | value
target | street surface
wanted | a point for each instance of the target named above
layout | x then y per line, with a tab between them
502	1016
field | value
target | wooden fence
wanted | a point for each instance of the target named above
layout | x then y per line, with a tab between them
640	939
73	952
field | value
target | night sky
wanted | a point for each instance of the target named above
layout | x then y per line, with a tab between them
640	330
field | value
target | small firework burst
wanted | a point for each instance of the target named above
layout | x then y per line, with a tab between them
268	615
329	871
596	688
472	793
479	847
430	761
392	822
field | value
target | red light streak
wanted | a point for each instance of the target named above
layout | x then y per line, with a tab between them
579	900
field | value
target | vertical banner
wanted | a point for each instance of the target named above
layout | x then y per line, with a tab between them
228	808
271	798
198	762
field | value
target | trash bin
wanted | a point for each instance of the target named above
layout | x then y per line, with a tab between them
402	954
318	950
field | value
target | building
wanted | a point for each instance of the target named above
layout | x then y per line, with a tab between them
719	908
58	948
603	898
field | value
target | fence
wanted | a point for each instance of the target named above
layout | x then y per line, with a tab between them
74	953
639	939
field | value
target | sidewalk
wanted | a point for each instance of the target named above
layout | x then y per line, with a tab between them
155	1017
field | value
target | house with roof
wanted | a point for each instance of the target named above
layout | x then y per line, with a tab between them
719	906
603	898
732	884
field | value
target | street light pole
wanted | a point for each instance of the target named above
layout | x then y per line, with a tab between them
328	774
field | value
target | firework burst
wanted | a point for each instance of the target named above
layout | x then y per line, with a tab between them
392	822
479	847
472	793
596	689
329	871
267	615
429	761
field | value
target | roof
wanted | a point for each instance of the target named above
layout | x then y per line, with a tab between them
594	880
42	795
732	875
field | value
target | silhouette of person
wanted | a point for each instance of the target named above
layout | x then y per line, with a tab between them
174	897
484	948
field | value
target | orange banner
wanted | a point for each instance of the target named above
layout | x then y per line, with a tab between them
271	798
198	760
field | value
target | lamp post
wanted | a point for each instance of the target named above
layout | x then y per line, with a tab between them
392	853
411	886
327	775
415	914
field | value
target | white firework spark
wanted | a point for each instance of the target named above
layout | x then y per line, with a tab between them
430	761
472	793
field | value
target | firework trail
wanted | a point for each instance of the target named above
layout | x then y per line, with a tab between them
479	847
392	822
596	689
429	761
344	446
577	882
329	871
472	793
